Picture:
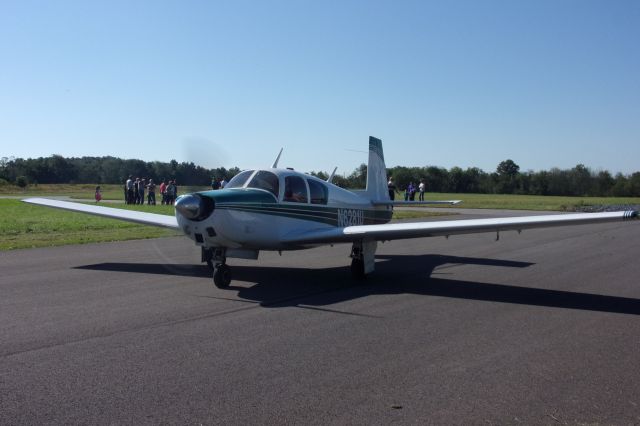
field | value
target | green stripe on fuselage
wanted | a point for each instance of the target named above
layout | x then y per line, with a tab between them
240	195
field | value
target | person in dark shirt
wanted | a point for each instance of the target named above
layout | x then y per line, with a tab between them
392	189
141	187
215	183
151	198
172	192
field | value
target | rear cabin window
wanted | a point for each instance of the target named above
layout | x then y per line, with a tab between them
295	190
239	180
267	181
319	192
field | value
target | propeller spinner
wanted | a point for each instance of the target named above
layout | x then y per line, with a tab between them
194	206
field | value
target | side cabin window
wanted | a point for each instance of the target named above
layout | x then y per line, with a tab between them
267	181
240	179
319	192
295	190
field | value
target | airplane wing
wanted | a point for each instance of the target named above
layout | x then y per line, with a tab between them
394	231
121	214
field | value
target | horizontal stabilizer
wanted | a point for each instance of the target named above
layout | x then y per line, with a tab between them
414	203
144	218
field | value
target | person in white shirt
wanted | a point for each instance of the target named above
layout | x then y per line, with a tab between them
129	186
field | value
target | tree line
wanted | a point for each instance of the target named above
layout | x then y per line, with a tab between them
105	170
506	179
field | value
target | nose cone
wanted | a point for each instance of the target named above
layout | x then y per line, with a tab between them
194	207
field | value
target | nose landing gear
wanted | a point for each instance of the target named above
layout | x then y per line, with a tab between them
216	259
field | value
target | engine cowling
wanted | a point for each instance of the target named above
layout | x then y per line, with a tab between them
195	207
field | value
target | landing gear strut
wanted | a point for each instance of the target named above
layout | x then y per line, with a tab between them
207	256
362	258
216	258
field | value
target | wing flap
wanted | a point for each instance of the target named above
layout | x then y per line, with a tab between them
144	218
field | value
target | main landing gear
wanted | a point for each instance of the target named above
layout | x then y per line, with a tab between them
357	263
362	258
216	259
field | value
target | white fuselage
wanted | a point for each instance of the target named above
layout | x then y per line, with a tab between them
252	214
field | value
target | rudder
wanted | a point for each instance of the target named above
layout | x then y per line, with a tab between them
376	172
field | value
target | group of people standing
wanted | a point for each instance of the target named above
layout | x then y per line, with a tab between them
218	183
409	192
134	191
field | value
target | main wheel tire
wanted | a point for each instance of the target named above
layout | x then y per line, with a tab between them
357	268
222	276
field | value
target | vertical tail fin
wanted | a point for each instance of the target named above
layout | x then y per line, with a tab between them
376	172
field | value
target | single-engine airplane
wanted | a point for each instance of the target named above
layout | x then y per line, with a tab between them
282	209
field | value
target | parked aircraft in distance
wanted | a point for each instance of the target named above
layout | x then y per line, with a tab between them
282	209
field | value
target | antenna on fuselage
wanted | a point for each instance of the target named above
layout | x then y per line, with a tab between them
333	173
275	163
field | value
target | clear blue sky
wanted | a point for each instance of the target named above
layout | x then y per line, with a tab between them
455	83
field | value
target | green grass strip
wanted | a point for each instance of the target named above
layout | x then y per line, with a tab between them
25	225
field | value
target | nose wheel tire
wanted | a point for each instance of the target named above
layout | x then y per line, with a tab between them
222	276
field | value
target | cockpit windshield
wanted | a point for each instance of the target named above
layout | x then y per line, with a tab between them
239	180
265	180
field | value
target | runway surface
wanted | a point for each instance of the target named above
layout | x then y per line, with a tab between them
538	328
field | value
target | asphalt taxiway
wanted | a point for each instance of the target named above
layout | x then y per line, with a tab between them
537	328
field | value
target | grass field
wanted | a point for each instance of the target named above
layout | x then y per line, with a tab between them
24	225
525	202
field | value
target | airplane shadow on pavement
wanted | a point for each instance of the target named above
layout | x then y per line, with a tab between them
397	274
